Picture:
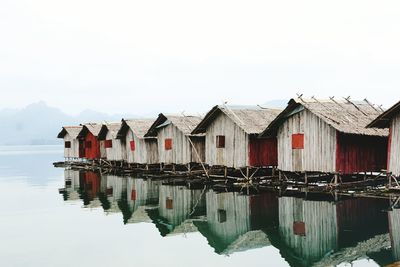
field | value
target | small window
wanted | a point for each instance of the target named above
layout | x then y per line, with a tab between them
220	142
67	144
221	216
298	141
299	228
88	144
108	144
110	191
168	144
133	146
133	195
169	203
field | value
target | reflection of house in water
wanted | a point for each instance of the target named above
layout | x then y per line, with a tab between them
394	229
89	183
115	191
234	221
71	190
312	229
178	207
140	195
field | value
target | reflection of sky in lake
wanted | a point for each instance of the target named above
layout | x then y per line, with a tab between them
39	228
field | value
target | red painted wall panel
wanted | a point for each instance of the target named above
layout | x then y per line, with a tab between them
92	151
263	152
355	153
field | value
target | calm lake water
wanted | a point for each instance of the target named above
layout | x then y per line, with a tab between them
55	217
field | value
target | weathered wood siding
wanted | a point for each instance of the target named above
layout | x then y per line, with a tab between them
236	150
73	151
319	153
181	152
118	150
103	151
359	153
394	227
146	150
394	148
199	143
320	231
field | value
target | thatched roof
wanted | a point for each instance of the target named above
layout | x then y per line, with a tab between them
383	120
138	126
252	119
94	128
109	127
185	124
350	117
73	131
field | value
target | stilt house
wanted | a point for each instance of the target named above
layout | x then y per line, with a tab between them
232	136
391	119
71	141
328	136
139	149
89	145
176	143
115	148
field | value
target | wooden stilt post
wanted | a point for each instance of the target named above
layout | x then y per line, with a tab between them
225	172
365	176
336	179
280	175
247	173
389	176
305	178
273	171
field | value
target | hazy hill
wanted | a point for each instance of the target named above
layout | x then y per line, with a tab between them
39	123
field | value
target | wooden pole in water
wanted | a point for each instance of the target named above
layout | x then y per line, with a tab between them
305	178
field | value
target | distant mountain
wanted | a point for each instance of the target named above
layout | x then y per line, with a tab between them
38	124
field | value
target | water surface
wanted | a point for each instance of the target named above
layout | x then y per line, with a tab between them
55	217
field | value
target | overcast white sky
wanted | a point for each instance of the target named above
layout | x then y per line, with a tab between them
150	56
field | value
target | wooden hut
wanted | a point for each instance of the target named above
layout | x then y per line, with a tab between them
391	119
311	228
176	143
328	136
115	148
71	141
90	146
232	136
236	222
139	149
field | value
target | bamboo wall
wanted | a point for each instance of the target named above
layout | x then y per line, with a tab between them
319	153
118	150
394	148
319	218
146	150
181	152
72	152
236	151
